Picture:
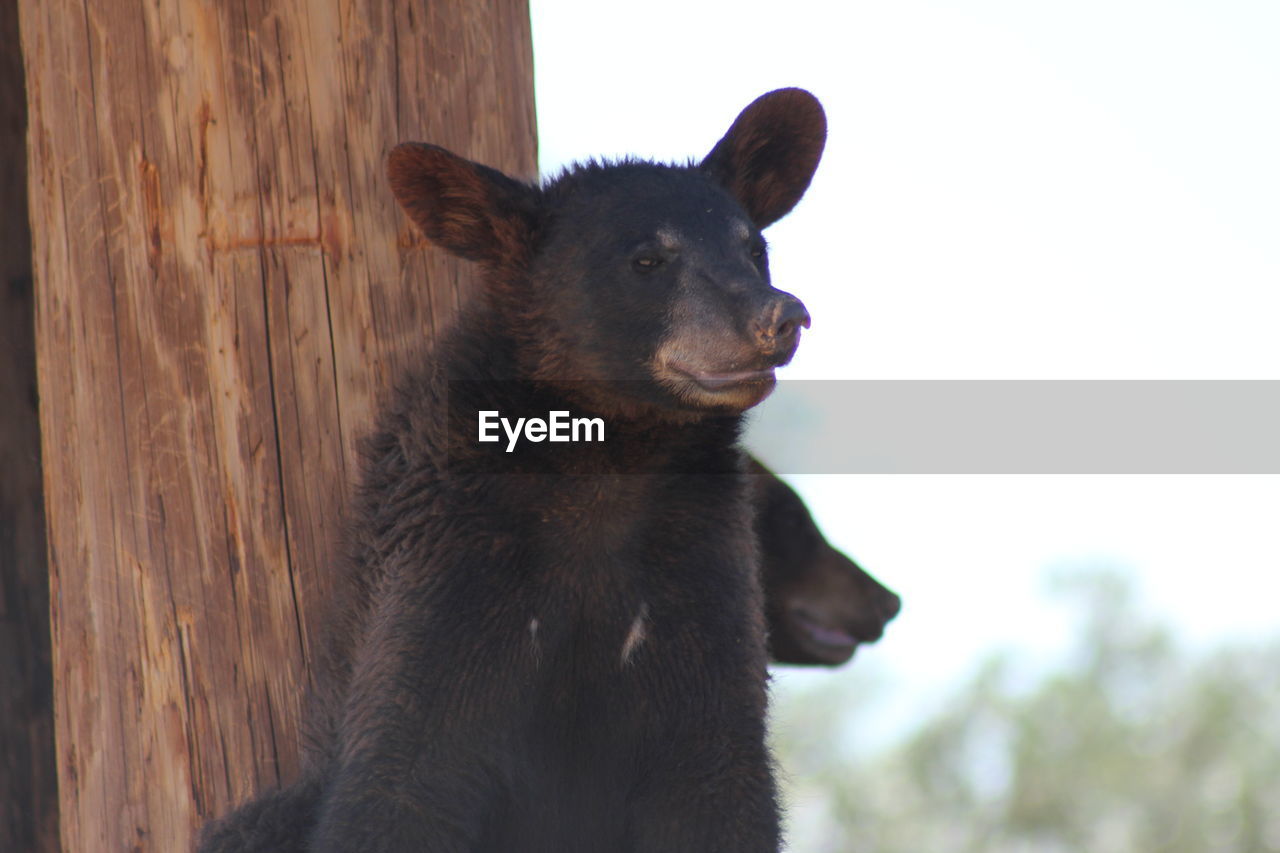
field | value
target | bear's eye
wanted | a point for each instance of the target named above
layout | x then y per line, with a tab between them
647	263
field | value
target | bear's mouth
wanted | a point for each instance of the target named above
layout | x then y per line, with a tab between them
824	641
714	381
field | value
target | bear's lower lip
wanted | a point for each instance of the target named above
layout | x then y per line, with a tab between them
718	381
830	640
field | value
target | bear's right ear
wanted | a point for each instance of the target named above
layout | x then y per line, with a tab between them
769	155
470	210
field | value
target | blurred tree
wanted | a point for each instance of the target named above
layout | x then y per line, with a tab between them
1132	745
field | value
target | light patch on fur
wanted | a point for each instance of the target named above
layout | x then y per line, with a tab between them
669	237
533	637
636	635
742	229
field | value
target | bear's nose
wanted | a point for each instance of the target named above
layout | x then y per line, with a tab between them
781	318
890	606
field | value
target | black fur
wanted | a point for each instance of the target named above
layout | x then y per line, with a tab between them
568	654
276	822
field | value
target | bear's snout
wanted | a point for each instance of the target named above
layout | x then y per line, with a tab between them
780	322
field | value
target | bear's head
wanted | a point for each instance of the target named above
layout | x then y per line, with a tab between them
820	604
646	283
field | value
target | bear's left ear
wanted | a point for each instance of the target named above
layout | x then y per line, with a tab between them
471	210
769	155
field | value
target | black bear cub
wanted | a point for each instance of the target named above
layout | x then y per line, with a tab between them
819	606
569	654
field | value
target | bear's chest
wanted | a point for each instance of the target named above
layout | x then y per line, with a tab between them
620	692
627	640
646	589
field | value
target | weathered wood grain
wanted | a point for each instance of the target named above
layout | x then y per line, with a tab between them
224	286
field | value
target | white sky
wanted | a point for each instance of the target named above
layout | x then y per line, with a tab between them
1010	190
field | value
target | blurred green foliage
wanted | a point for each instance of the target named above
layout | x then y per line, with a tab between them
1132	745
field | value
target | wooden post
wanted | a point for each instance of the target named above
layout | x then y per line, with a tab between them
28	788
223	286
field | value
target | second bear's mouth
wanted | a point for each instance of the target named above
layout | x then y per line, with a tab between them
829	643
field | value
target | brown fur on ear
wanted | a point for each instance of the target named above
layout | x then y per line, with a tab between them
769	155
470	210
